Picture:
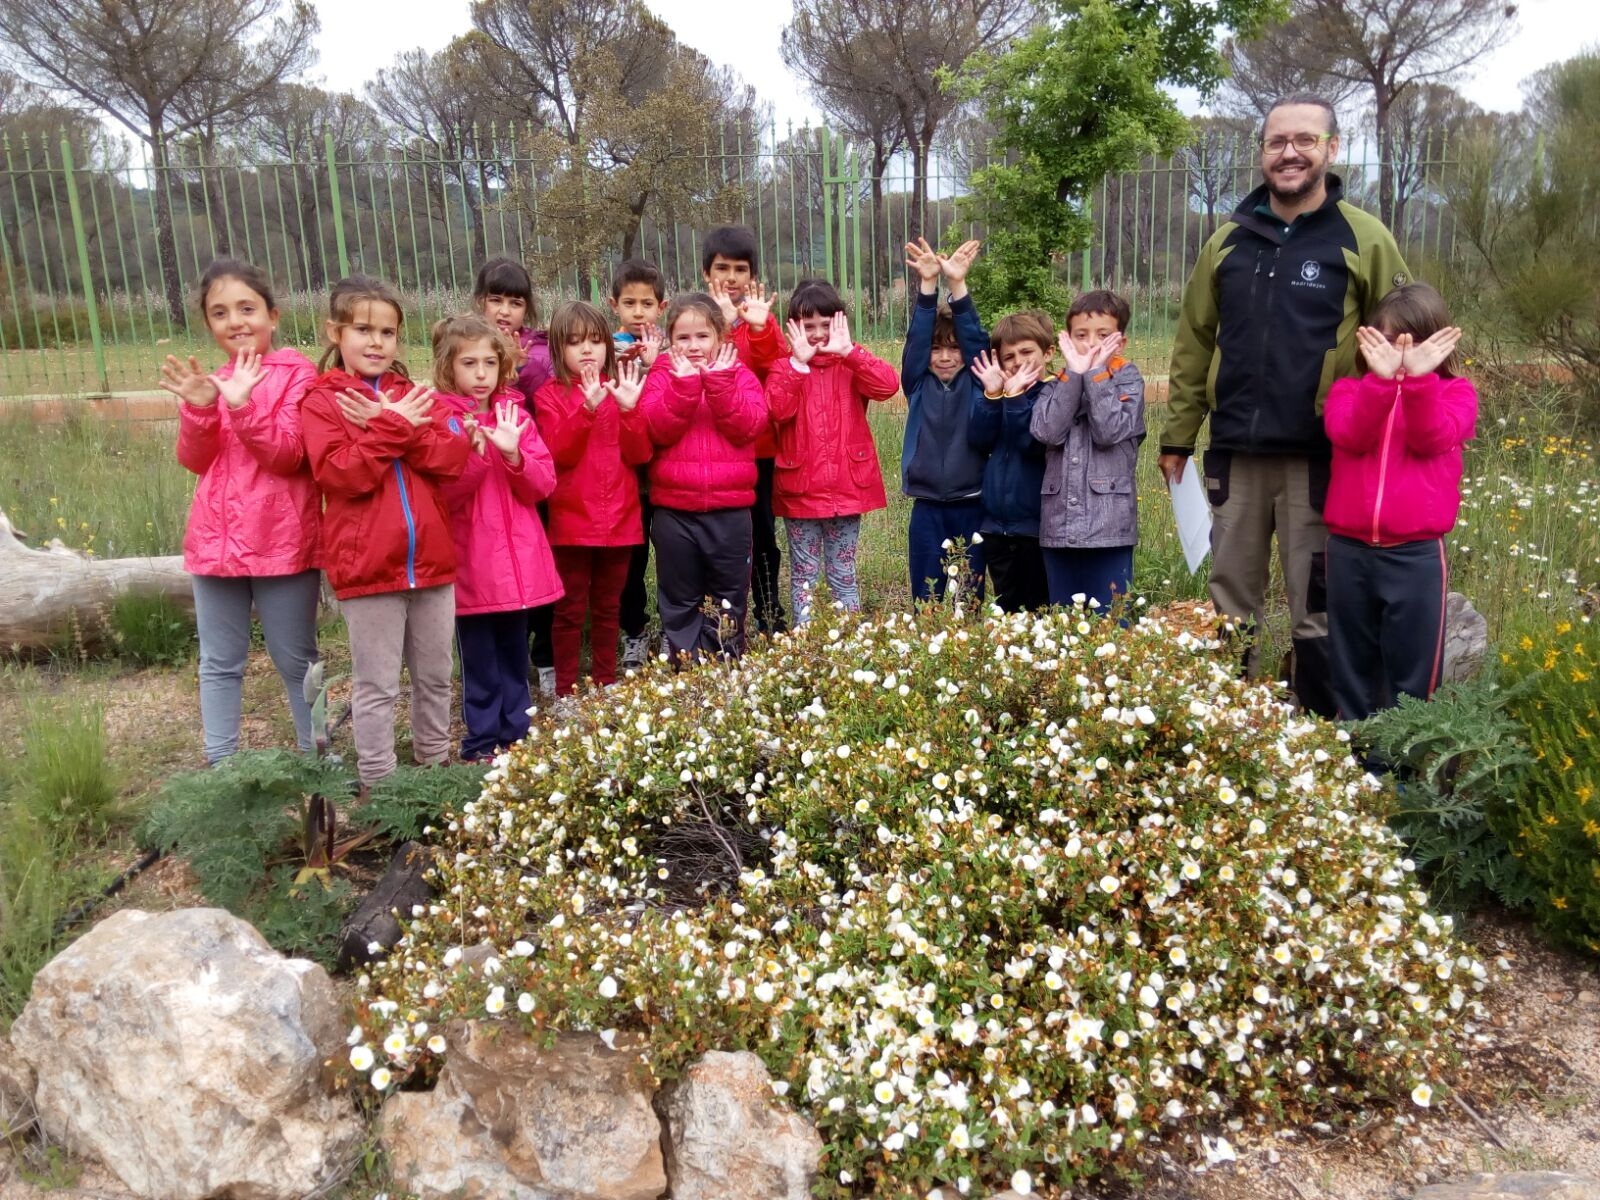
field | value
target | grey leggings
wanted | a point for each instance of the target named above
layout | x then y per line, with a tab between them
287	606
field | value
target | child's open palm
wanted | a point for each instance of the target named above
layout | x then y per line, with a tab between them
681	366
838	336
505	435
957	265
415	406
188	382
247	372
1426	357
1079	362
799	344
1383	358
650	342
756	306
719	293
923	259
630	382
987	368
589	383
357	407
726	360
1023	378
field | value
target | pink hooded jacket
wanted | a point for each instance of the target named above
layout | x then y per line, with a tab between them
256	509
705	426
1397	456
503	559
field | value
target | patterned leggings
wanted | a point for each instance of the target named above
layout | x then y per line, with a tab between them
817	547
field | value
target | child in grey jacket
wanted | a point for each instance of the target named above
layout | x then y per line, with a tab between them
1091	420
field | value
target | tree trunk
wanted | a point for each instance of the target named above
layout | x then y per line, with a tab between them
47	596
630	236
166	244
919	181
1382	99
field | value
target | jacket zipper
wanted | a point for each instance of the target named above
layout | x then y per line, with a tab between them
1261	362
1383	463
411	528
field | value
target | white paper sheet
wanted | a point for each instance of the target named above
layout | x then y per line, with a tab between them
1193	513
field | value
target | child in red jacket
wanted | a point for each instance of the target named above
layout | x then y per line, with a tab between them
827	467
380	449
254	526
589	414
1394	493
503	564
704	410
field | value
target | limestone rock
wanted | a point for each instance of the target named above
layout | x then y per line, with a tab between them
728	1136
511	1120
17	1083
1466	639
186	1054
1519	1185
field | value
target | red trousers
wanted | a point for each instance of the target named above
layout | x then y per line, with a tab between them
593	577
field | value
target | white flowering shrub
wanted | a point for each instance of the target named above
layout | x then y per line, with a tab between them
997	900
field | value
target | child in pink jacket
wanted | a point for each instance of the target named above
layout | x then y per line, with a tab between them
254	527
1395	489
704	410
504	567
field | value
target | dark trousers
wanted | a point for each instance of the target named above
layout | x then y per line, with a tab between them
1385	622
1016	571
702	564
591	579
635	614
765	553
1101	574
934	522
494	680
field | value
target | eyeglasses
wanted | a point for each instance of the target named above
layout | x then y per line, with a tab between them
1303	142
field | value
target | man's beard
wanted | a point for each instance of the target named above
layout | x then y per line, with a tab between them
1310	177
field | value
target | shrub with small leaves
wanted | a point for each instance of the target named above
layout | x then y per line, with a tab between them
991	897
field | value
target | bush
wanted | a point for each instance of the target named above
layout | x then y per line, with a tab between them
987	896
1553	826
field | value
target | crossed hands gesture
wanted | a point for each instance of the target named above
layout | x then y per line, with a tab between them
511	421
360	407
1091	358
838	340
726	359
996	383
188	382
755	306
1405	355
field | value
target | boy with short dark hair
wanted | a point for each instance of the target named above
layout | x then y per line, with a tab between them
1091	419
638	292
939	469
728	263
998	422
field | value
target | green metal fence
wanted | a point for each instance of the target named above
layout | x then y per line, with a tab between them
99	246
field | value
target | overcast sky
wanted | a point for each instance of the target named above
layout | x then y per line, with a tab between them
355	46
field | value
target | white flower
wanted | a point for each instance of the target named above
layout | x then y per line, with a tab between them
525	1003
764	992
1109	884
1422	1095
1218	1151
381	1078
608	988
960	1138
1126	1105
395	1045
496	1003
883	1093
1022	1183
436	1044
361	1058
964	1031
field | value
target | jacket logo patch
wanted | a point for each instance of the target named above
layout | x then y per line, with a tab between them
455	426
1310	270
1399	279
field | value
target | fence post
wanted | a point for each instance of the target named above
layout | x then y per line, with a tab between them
827	204
80	236
338	206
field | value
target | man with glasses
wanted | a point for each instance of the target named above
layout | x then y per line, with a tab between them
1268	323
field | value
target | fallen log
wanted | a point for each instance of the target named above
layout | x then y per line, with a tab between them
57	596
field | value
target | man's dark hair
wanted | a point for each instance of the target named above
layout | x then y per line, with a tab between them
637	270
734	242
1101	302
1307	98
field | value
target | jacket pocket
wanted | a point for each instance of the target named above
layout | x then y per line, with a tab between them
1218	465
864	466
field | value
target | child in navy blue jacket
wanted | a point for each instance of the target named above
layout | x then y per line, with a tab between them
939	469
998	425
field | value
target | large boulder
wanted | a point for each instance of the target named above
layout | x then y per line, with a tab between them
727	1135
1466	639
186	1054
1518	1185
17	1083
513	1120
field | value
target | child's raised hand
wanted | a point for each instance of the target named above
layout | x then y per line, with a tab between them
681	366
957	265
924	260
649	344
519	353
630	382
726	360
987	368
719	293
589	383
1079	362
1023	378
247	372
1426	357
510	423
756	306
188	382
357	407
476	438
799	344
415	406
1382	358
838	336
1108	348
